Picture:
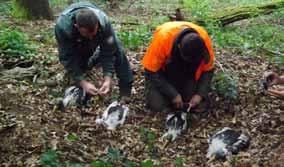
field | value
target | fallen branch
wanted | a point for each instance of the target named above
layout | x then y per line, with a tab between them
231	15
18	73
220	65
272	53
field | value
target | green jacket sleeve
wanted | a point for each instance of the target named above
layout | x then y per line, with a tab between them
204	83
108	47
161	84
67	55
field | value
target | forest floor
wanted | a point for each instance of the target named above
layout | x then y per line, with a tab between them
39	126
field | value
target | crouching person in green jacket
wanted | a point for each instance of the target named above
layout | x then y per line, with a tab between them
85	37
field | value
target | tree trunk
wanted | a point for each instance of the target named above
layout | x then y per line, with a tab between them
32	9
239	13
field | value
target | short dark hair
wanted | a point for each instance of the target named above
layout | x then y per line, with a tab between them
86	18
192	47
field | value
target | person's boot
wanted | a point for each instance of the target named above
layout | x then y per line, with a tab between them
124	94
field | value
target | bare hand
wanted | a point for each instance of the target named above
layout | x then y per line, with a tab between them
88	87
105	88
275	92
195	100
178	101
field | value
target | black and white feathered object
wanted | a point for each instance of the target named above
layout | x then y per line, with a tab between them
74	96
225	143
114	115
175	124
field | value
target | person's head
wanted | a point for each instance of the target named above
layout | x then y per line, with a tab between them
192	48
86	23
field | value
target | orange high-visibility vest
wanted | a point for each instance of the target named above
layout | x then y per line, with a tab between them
162	43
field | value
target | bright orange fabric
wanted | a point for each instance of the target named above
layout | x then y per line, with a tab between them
161	45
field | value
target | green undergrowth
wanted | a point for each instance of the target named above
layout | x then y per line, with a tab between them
5	8
248	37
133	39
16	44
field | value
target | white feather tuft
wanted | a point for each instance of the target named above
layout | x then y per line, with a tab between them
216	145
112	120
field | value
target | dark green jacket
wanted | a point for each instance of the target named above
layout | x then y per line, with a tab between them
75	50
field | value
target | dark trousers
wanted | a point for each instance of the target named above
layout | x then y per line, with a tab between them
157	101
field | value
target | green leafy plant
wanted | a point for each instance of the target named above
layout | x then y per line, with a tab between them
72	137
50	159
112	159
259	32
179	162
113	154
203	9
198	9
252	37
135	38
58	3
47	36
149	138
226	85
5	8
14	43
48	59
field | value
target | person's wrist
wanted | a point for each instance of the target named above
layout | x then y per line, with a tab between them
199	96
82	83
107	79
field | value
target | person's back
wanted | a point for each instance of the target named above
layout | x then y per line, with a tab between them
178	66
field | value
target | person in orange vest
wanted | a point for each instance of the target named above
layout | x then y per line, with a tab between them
179	66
